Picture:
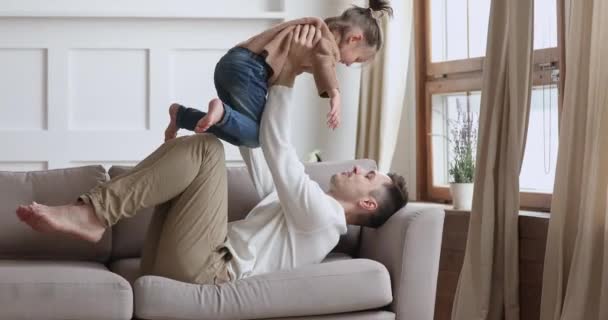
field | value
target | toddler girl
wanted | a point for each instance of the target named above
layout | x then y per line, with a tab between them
243	75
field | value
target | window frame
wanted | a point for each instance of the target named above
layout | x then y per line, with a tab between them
462	76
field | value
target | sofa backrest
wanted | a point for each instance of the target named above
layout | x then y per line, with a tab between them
50	187
128	235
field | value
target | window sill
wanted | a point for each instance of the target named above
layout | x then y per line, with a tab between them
450	210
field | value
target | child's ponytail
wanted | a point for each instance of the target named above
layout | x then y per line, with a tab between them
381	6
365	18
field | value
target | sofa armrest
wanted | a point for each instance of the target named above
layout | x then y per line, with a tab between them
409	245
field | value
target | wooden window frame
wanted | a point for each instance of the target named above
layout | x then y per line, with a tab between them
463	76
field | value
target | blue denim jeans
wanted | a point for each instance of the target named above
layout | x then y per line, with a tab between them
241	81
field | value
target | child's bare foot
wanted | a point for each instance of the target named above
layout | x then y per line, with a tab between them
213	116
76	220
171	131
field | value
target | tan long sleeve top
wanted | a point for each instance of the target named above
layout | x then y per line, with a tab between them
274	45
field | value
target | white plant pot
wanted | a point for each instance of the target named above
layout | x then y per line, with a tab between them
462	195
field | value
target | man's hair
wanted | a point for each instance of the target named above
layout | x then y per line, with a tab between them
391	197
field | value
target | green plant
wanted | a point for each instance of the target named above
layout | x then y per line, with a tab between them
464	141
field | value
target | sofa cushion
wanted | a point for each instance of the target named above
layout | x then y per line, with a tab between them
51	187
129	234
62	290
129	268
326	288
242	196
365	315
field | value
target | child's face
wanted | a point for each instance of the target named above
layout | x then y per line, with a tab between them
354	49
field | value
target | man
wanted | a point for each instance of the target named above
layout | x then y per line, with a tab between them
189	239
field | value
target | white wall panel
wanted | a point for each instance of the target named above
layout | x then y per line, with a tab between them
87	82
108	89
139	8
191	76
23	89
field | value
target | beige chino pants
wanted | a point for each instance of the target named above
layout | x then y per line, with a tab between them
185	180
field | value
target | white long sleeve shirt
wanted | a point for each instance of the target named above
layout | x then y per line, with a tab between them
296	223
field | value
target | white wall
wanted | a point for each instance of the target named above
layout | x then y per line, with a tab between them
86	82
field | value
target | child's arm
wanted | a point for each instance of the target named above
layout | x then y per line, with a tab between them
333	117
324	73
324	68
305	39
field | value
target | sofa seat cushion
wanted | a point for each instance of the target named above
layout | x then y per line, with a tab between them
62	290
129	268
365	315
333	287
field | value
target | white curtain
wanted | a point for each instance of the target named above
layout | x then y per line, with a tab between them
404	151
575	277
488	283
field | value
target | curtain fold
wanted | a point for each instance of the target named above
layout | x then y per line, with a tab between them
383	90
488	283
371	101
575	276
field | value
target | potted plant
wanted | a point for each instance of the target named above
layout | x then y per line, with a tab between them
315	156
462	164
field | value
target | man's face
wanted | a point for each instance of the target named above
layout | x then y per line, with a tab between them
357	184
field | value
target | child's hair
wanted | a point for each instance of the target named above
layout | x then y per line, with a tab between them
364	18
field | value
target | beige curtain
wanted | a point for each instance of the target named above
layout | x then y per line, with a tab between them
575	277
488	284
371	101
383	94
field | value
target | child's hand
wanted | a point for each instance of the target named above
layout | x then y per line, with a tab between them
333	117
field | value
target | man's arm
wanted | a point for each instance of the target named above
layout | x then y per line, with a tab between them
305	38
258	171
303	201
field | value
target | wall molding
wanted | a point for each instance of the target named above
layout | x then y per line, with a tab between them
148	14
88	71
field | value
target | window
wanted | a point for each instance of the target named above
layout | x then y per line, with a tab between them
458	29
538	168
451	53
445	109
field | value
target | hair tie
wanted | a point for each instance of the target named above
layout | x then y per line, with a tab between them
375	14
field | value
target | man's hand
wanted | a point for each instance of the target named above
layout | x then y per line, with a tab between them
333	117
304	39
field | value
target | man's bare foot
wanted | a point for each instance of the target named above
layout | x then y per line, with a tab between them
76	220
171	131
213	116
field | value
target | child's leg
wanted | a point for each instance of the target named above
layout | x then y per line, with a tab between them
243	98
191	119
241	82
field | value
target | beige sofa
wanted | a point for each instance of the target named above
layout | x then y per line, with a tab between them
388	273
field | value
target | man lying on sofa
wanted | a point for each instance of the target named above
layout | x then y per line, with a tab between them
189	238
